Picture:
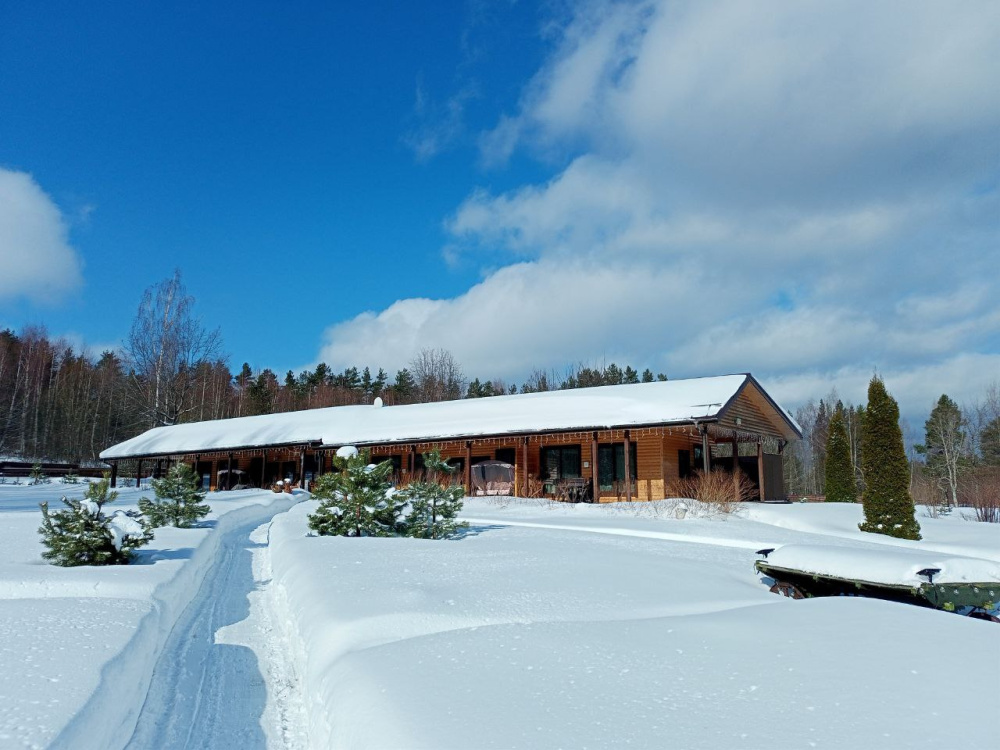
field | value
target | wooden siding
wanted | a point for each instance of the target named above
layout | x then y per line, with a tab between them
657	448
756	415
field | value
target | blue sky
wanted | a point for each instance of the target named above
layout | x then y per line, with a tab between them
253	146
808	192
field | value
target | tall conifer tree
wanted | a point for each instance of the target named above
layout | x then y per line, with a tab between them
888	506
840	484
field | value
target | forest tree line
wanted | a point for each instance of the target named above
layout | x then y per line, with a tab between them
954	459
59	403
62	404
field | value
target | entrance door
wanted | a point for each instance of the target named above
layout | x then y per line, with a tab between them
611	465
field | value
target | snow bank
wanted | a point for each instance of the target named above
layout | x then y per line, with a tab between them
951	535
570	627
889	566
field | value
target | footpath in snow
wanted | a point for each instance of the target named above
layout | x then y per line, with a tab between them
79	645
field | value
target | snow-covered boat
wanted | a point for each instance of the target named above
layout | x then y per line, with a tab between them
964	585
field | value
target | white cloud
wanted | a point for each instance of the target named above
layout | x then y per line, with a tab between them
808	192
36	259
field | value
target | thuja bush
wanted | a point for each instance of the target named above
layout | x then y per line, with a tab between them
841	486
82	534
178	499
888	505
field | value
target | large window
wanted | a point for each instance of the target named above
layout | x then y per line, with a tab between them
561	462
507	455
611	464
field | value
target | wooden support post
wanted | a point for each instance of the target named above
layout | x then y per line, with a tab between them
320	463
229	472
706	459
468	467
595	479
114	474
138	473
524	464
263	468
302	469
736	469
628	467
760	471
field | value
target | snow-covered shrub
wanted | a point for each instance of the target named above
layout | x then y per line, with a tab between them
357	499
433	504
71	478
81	534
178	499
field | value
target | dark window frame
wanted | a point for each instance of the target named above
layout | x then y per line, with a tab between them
616	453
563	458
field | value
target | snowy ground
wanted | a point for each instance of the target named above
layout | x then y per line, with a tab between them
545	626
587	626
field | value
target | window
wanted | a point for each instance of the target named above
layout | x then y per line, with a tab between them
611	464
561	462
684	463
507	455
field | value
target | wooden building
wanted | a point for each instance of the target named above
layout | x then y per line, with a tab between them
575	440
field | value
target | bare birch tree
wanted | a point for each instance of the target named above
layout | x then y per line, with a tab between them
438	375
165	347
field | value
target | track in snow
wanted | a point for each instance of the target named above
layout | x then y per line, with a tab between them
225	678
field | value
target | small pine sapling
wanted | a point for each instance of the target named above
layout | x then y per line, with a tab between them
433	505
178	499
37	476
71	478
81	534
357	499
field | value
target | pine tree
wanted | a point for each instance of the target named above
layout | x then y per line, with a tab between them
475	389
613	375
840	482
178	499
888	506
631	377
405	386
356	500
989	442
433	506
380	382
647	376
81	534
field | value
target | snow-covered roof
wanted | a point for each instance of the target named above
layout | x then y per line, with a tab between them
674	401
